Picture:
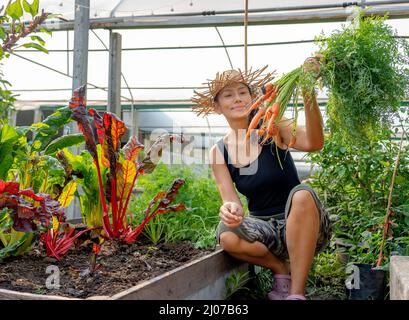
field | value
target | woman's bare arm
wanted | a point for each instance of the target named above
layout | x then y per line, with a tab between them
311	136
222	176
231	212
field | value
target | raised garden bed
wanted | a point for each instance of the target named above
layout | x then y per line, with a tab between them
399	278
140	271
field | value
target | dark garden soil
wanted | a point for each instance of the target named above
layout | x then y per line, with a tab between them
122	266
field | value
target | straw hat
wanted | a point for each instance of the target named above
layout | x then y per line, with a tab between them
204	101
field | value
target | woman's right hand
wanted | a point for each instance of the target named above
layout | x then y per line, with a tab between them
231	214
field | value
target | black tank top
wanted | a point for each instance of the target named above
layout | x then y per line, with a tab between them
263	182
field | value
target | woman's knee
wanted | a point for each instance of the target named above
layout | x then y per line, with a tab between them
303	204
229	241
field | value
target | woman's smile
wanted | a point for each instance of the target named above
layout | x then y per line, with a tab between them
239	108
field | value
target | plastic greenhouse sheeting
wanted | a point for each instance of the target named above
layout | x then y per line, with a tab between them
117	8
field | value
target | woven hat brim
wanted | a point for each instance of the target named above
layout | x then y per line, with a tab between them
204	100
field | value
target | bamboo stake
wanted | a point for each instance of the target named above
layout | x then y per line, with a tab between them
388	208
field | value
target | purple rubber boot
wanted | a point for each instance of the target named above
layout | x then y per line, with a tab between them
281	287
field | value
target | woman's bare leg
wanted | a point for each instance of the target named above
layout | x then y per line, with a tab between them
252	252
302	231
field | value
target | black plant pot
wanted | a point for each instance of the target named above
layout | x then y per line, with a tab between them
371	283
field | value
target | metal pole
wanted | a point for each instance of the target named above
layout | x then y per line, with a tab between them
114	80
126	83
80	71
80	64
13	117
68	52
278	43
135	122
112	13
81	31
38	115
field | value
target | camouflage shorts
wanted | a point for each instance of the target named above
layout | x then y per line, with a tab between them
270	230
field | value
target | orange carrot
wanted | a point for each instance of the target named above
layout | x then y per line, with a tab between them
262	132
276	108
268	93
254	122
269	113
271	98
271	125
255	105
274	132
268	87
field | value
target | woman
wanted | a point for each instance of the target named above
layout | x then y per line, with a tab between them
287	224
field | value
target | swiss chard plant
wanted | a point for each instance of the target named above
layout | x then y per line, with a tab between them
82	173
12	242
58	242
25	214
26	207
117	170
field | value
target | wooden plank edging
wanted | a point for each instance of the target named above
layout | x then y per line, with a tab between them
182	282
16	295
179	283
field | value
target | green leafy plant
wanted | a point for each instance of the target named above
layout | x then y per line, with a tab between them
326	280
155	230
13	31
11	143
236	282
81	170
17	29
366	71
7	99
198	193
354	183
46	132
33	163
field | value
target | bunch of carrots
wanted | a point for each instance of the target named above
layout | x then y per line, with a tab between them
361	99
271	105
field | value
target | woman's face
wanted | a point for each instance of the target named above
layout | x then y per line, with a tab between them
233	101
